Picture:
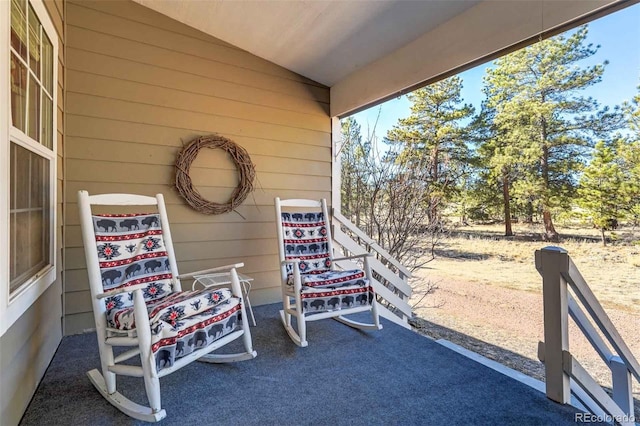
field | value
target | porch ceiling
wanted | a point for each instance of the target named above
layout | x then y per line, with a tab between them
322	40
371	50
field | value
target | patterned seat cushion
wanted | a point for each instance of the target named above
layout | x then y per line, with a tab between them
171	309
195	332
332	279
131	251
183	322
324	299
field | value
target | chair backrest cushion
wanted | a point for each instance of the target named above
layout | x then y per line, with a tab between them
305	239
131	251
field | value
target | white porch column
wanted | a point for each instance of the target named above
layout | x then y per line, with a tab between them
336	145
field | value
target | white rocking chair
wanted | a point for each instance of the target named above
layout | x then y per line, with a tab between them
311	288
138	302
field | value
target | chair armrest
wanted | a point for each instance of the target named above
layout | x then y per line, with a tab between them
208	271
355	256
143	331
297	284
128	289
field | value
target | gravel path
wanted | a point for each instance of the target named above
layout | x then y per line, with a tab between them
506	324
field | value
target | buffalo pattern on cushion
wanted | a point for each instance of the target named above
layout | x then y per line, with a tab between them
131	251
323	289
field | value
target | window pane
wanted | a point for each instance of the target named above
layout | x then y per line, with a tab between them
30	225
34	42
47	64
20	256
34	109
47	121
20	185
12	234
37	241
18	93
38	182
19	27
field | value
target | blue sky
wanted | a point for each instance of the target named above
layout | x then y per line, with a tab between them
618	35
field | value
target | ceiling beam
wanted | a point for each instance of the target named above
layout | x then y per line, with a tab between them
479	32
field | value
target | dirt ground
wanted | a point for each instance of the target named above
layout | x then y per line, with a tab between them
505	324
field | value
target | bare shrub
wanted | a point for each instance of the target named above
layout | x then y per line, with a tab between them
389	201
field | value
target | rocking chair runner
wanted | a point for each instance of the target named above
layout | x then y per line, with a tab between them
311	288
138	302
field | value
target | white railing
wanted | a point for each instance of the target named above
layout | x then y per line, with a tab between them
564	374
390	278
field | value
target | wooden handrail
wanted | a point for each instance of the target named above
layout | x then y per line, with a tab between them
600	317
595	391
343	239
559	273
370	242
396	291
589	331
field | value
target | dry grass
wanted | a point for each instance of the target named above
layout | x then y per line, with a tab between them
482	254
490	296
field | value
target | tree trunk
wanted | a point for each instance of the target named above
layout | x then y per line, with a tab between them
529	211
604	238
550	232
508	232
433	203
346	202
357	209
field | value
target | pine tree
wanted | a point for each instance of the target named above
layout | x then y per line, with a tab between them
545	125
629	153
628	156
434	135
600	191
497	155
632	114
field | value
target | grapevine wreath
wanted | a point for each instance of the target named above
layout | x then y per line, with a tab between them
240	157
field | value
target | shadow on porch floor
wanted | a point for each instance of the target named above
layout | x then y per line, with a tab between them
345	377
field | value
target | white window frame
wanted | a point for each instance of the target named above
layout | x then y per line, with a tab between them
13	306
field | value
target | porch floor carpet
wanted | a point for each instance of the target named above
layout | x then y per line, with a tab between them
344	377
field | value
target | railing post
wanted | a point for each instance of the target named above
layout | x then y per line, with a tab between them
551	262
621	380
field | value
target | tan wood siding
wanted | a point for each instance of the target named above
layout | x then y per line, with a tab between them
157	55
159	115
109	66
141	85
115	23
144	16
29	345
189	101
25	352
131	132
